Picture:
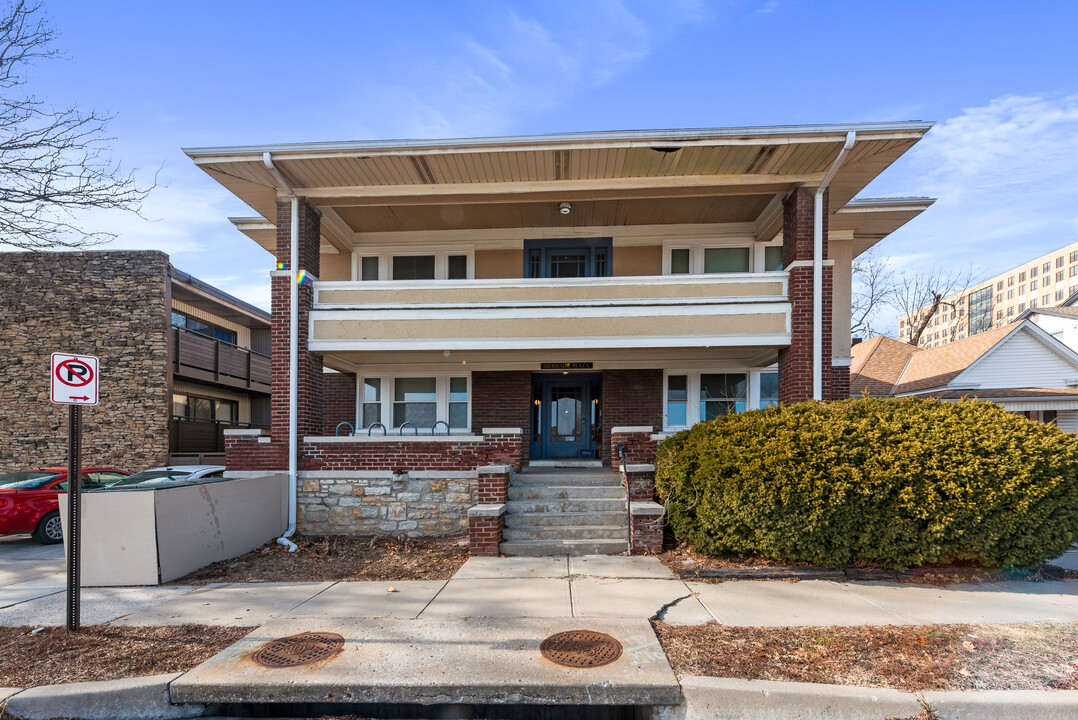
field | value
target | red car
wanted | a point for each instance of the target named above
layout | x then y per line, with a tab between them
28	499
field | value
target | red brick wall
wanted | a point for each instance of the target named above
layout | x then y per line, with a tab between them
639	448
244	452
484	535
503	400
795	361
631	397
309	364
338	401
399	457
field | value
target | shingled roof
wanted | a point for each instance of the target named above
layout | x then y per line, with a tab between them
885	366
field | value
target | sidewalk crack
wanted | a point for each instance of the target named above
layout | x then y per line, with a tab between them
660	614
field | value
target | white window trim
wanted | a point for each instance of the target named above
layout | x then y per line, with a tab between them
385	260
692	410
696	250
388	381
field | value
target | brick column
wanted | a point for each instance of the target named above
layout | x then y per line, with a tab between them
309	364
485	525
795	361
493	484
646	527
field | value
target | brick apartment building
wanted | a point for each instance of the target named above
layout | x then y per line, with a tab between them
491	306
181	361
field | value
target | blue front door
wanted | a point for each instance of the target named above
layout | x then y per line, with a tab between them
565	416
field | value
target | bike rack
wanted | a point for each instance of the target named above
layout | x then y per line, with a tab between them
337	431
440	422
372	426
401	428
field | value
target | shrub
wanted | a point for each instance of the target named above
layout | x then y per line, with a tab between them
896	482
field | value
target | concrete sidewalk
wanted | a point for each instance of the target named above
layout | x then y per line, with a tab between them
560	587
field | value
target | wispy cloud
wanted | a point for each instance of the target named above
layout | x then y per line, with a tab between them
1006	175
525	64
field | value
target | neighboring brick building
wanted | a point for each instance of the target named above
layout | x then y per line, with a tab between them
166	391
542	299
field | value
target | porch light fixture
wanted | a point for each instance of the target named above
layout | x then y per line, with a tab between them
537	402
565	208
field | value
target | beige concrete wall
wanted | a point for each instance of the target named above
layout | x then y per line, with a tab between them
118	538
335	267
841	251
200	524
638	260
696	286
498	264
142	537
559	327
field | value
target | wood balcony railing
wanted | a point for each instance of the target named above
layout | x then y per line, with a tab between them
203	358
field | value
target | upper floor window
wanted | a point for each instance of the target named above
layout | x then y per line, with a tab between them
1059	261
370	266
1033	271
702	257
568	258
1047	267
202	327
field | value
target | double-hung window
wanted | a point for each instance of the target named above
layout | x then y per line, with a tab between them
691	396
707	257
373	265
424	401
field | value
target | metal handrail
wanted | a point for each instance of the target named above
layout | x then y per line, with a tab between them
437	423
374	425
401	428
628	502
337	430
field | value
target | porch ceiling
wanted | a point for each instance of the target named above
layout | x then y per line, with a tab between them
478	360
624	178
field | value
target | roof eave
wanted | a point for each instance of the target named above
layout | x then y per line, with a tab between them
628	138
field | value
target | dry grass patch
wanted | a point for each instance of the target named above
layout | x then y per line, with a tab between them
325	558
1033	656
105	652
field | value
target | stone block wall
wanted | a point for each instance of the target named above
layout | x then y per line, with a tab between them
112	304
373	502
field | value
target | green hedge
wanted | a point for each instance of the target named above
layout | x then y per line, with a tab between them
897	482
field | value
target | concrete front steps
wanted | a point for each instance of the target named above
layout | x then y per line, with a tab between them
561	511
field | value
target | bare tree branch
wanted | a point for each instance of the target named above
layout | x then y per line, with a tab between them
919	294
54	163
874	286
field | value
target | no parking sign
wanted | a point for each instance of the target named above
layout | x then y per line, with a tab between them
74	379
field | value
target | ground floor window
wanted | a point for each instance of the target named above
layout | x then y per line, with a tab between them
423	401
698	396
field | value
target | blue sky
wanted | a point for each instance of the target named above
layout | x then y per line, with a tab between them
1000	79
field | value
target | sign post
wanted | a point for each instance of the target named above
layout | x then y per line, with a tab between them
73	383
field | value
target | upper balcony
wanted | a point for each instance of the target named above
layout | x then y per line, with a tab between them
203	358
669	311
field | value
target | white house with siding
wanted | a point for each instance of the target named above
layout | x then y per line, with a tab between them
1021	366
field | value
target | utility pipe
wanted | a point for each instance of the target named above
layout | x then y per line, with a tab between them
293	352
817	268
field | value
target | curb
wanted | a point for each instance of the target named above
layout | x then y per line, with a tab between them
713	698
710	698
144	698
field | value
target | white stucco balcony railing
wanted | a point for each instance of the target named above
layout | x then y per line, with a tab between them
735	309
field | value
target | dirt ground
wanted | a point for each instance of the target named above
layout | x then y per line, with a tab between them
1034	656
104	652
322	558
680	557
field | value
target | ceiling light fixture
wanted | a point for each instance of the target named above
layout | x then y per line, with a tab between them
565	208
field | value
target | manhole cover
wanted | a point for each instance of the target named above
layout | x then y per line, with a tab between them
581	649
302	649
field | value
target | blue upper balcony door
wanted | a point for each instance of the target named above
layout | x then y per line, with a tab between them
568	258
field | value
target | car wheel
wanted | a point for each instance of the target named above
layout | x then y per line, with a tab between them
49	531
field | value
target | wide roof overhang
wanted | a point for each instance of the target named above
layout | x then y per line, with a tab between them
735	176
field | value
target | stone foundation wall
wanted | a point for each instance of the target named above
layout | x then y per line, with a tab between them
113	304
378	503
